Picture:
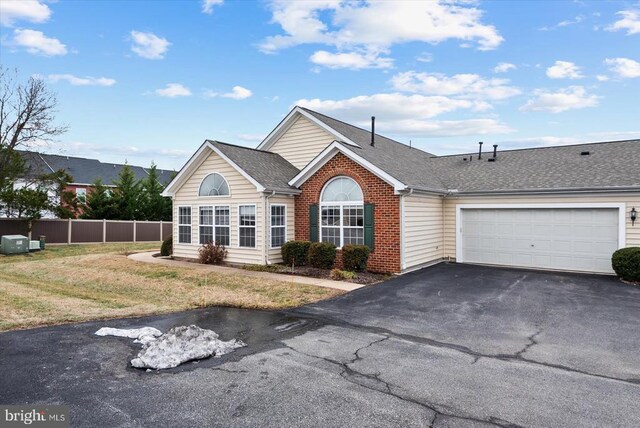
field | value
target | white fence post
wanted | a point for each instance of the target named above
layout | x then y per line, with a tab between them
161	230
134	231
69	225
104	230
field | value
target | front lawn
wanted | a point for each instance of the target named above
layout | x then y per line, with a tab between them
73	283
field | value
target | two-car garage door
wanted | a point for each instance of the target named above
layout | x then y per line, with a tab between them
576	239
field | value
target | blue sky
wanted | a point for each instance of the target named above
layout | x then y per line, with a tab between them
142	81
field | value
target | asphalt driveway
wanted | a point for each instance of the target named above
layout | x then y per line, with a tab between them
451	345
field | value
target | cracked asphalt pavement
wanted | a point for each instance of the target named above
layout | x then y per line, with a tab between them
447	346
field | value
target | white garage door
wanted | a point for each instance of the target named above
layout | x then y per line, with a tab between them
580	239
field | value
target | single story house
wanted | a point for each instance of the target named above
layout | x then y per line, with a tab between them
320	179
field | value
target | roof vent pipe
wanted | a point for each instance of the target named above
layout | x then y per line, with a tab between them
373	131
495	151
480	150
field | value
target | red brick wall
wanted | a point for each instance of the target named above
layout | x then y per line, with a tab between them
386	254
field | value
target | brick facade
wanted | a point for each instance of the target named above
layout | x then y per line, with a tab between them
386	254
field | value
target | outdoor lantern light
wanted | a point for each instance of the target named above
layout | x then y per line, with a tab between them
633	215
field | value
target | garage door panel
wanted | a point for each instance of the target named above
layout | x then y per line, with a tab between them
567	239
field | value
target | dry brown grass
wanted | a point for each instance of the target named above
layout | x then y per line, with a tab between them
89	282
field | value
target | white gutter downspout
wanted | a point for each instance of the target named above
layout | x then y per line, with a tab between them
403	263
267	229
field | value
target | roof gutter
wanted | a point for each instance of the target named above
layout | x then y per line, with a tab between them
547	191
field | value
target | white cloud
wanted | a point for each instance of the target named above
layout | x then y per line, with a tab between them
253	138
503	67
148	45
573	97
629	21
424	57
357	26
81	81
624	67
237	93
602	78
564	70
391	106
538	142
23	10
462	85
350	60
444	128
37	43
207	5
578	19
173	90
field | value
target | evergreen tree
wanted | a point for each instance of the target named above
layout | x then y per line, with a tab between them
127	196
154	203
99	204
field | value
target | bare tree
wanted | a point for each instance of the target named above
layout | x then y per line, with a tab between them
27	115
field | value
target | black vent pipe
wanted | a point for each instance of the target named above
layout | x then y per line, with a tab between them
495	151
480	150
373	131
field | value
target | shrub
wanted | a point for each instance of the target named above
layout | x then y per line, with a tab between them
295	253
355	257
167	247
212	253
626	263
322	255
265	268
339	275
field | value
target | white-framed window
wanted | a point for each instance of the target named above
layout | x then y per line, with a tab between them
81	194
278	225
342	212
221	221
214	184
206	225
184	225
215	225
247	226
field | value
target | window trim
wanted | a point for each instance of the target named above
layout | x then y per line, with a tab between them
184	224
214	196
84	196
214	224
271	226
341	205
255	226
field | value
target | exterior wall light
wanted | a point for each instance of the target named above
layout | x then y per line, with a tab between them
633	215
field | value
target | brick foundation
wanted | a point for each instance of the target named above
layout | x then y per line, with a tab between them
386	254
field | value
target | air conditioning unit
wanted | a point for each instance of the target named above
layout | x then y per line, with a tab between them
34	246
14	244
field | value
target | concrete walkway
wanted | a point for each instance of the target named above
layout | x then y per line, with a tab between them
147	257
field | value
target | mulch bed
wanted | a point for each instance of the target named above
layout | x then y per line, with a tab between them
361	278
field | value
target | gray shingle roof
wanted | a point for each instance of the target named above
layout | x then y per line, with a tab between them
609	165
269	169
409	165
83	170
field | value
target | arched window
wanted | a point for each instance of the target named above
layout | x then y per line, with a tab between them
214	185
342	212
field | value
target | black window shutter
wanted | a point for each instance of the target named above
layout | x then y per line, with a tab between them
368	225
313	223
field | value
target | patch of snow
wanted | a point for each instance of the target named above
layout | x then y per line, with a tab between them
181	344
140	334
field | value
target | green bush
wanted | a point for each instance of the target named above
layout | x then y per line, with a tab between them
212	253
322	255
355	257
626	263
339	275
295	253
167	247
